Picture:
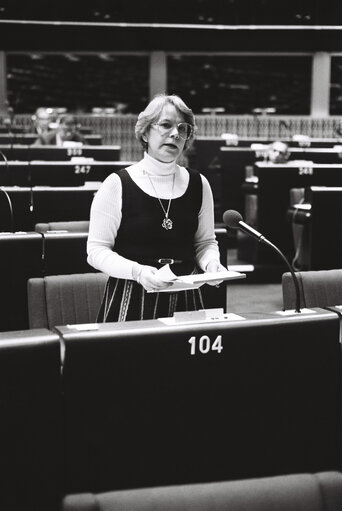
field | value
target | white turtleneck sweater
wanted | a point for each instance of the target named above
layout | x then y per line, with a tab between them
105	216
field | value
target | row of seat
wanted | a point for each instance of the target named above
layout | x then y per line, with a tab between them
23	152
64	173
267	202
225	166
22	207
53	249
24	255
30	138
130	414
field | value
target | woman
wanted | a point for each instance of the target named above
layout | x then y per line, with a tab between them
152	213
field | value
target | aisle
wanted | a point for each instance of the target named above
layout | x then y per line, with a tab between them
253	297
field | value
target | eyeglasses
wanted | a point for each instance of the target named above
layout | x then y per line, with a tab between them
184	128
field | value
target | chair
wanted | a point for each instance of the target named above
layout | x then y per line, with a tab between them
64	299
320	491
320	288
76	226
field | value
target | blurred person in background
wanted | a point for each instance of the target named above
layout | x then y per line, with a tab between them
278	152
43	120
66	133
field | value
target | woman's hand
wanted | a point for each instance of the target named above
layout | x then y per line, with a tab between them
150	281
215	266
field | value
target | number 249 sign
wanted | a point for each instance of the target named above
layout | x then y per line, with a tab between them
205	345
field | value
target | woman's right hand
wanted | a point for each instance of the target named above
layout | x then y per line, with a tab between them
150	281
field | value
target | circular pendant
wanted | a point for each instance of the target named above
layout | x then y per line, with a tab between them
167	224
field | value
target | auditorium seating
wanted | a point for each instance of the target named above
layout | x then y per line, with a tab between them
56	153
30	138
305	492
57	173
64	299
320	288
30	206
238	412
32	255
273	198
318	220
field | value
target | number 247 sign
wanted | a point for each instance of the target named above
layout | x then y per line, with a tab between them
205	345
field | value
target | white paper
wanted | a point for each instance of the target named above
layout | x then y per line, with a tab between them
186	282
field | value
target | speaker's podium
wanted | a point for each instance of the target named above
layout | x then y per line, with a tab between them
200	398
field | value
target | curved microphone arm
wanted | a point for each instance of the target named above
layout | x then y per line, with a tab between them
233	220
294	276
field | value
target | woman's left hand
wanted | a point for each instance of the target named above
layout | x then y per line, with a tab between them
215	266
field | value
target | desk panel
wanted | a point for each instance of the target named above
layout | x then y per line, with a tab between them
324	236
20	259
55	153
57	173
149	404
31	460
44	204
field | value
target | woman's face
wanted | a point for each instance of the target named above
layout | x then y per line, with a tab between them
166	145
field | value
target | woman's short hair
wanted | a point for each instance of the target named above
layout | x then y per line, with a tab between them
152	113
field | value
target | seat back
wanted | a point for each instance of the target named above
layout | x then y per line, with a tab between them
320	288
306	492
64	299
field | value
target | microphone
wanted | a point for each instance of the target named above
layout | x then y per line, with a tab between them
234	220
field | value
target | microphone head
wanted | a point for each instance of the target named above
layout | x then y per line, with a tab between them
231	218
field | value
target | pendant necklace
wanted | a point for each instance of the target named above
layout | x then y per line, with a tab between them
167	222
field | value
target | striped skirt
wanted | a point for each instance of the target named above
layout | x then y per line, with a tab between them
126	300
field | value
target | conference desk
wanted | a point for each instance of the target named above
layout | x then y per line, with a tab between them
235	161
226	167
74	172
25	255
30	138
31	439
143	404
214	399
204	152
56	153
319	242
272	194
21	208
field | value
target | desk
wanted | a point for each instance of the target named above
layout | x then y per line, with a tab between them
24	255
322	242
44	204
273	200
55	153
57	173
31	423
193	402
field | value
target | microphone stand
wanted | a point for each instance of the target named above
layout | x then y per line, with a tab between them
294	277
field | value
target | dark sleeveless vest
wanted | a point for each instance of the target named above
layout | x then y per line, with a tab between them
141	236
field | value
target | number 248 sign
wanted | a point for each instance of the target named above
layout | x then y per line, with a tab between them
204	344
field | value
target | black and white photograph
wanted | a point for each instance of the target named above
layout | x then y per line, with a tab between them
171	255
